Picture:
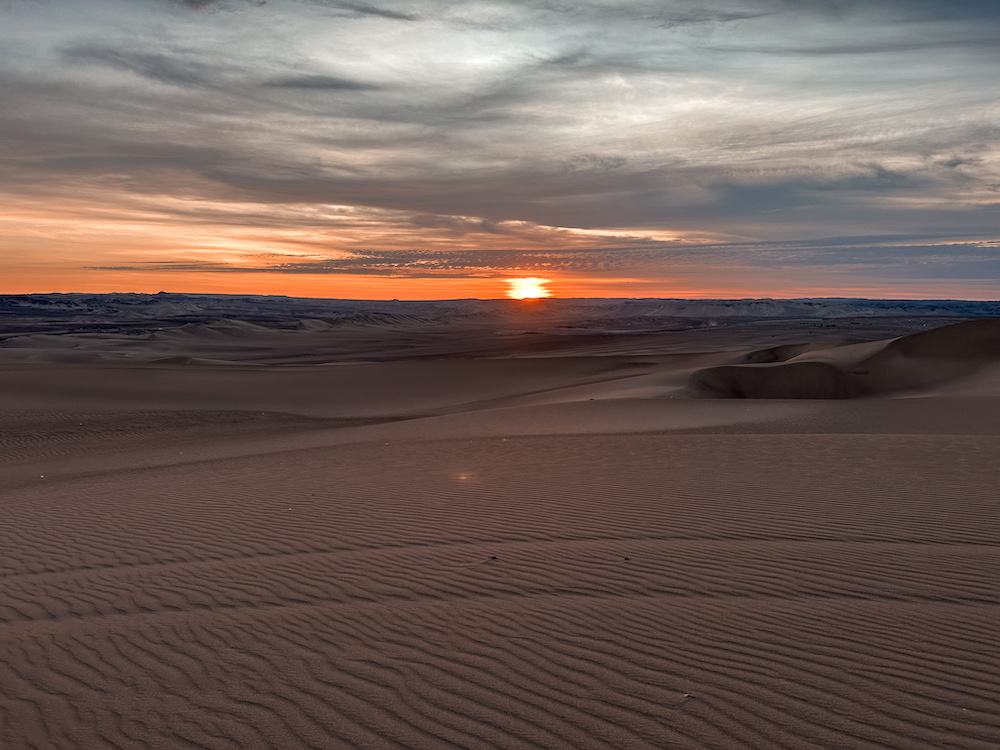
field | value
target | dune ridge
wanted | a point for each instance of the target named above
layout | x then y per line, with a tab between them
846	370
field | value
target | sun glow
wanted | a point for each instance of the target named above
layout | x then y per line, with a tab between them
528	288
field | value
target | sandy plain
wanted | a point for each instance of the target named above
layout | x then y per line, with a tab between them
759	537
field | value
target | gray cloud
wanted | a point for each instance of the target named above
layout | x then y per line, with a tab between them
670	15
766	119
151	65
913	10
195	4
355	9
906	256
364	9
873	47
707	16
213	4
320	83
948	10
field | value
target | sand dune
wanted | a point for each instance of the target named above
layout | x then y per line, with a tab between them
908	364
535	551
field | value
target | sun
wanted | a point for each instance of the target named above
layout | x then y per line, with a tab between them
528	288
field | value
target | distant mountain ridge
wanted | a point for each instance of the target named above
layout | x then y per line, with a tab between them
287	330
178	309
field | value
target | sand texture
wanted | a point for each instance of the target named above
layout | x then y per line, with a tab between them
405	536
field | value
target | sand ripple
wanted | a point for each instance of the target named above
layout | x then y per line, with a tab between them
601	591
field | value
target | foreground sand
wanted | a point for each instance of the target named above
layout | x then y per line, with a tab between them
538	552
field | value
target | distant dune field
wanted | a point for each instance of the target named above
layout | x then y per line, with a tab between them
406	534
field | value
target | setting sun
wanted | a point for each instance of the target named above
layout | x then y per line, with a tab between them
528	288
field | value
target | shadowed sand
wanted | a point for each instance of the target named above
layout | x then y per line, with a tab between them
641	541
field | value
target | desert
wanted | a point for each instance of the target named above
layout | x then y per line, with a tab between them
499	375
536	524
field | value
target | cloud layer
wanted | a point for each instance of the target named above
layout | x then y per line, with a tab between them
406	138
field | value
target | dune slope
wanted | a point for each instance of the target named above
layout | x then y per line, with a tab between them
911	363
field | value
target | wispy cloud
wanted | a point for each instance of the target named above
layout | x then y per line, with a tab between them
319	83
516	124
214	4
909	256
151	65
364	9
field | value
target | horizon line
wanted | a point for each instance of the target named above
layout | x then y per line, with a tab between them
534	300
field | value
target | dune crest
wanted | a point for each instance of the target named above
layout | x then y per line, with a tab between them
905	365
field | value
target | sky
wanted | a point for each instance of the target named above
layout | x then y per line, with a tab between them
422	149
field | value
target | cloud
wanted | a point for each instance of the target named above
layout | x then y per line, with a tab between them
355	9
909	256
195	4
364	9
911	10
708	16
947	10
508	123
152	65
206	4
320	83
873	47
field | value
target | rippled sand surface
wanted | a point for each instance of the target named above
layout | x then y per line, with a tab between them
586	550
